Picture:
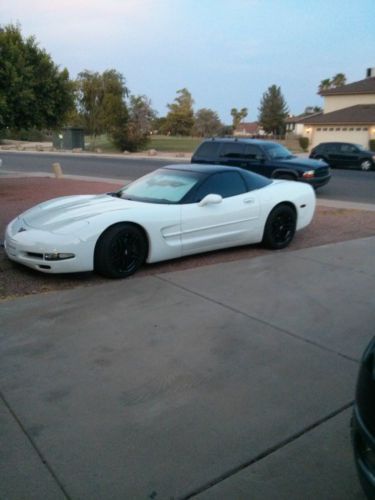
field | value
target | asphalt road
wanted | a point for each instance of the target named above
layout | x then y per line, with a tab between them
346	185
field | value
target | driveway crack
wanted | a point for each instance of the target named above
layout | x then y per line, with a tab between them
34	446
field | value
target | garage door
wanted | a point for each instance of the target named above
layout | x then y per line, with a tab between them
356	135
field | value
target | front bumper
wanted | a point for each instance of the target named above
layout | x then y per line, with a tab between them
28	247
316	182
364	454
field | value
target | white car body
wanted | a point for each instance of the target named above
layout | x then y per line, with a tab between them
73	224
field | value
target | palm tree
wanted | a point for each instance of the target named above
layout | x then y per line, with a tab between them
325	84
339	80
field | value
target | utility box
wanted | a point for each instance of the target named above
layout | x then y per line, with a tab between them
69	138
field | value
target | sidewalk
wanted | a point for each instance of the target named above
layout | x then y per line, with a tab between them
233	380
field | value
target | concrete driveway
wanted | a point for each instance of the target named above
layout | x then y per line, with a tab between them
228	381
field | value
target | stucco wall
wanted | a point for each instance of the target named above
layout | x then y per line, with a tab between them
333	103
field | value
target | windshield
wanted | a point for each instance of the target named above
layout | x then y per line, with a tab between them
161	186
277	151
360	147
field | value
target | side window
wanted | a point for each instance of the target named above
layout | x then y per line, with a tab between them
253	153
232	150
226	184
348	148
208	150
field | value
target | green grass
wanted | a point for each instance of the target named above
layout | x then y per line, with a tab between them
159	142
174	144
101	142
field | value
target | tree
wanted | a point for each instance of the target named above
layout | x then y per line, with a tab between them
139	126
339	80
238	116
336	81
180	119
101	102
325	84
34	93
273	111
207	122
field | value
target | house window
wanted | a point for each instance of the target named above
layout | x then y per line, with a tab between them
331	129
337	129
324	130
318	129
364	128
358	128
345	129
351	129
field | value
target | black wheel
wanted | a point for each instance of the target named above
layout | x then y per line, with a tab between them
366	165
120	251
280	227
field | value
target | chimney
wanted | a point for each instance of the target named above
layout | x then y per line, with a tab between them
370	72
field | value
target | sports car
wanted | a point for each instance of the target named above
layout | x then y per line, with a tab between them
175	211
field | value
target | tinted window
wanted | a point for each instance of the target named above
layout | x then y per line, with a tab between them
255	181
276	151
207	150
253	152
226	184
232	150
348	148
330	147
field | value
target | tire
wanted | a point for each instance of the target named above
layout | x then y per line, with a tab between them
120	251
280	227
365	165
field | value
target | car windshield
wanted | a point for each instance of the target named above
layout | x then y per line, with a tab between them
161	186
362	148
277	152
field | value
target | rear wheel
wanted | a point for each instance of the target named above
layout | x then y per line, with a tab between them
366	165
280	227
120	251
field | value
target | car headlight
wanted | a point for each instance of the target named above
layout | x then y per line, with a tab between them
58	256
373	157
308	174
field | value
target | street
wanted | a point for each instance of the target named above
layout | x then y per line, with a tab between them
346	185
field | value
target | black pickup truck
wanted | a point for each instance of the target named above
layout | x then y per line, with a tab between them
266	158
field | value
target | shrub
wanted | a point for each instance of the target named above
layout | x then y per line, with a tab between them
371	144
304	143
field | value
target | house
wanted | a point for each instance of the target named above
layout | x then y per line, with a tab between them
294	124
348	116
248	129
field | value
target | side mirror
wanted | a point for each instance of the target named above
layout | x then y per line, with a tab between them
210	199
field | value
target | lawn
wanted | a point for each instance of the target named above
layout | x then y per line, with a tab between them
159	142
173	143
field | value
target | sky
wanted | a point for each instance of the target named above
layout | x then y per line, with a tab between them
226	53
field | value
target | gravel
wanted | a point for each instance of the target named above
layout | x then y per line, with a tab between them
330	225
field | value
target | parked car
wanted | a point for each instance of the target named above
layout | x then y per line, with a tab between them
363	422
174	211
262	157
345	155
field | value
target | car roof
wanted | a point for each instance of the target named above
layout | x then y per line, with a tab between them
202	168
246	140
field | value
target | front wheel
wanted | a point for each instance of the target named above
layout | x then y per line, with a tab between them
280	227
120	251
366	165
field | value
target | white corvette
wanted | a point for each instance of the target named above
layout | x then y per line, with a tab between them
174	211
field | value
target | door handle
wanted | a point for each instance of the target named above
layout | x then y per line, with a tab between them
249	200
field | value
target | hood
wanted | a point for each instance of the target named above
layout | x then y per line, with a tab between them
60	212
307	163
